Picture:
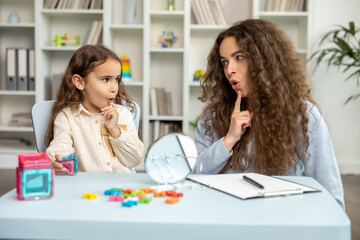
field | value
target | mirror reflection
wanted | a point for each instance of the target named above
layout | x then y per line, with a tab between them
171	158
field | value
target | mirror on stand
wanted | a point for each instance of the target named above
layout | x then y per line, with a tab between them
171	158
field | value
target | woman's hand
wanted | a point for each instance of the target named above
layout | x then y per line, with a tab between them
240	120
58	167
111	117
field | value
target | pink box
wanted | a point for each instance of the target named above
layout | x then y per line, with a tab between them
34	161
34	177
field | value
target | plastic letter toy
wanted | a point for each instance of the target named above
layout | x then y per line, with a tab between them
112	192
131	194
115	198
140	192
70	162
34	177
159	194
90	196
172	200
179	194
129	203
145	200
140	196
173	194
126	191
170	193
148	190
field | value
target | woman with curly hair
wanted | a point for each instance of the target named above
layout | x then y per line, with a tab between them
260	116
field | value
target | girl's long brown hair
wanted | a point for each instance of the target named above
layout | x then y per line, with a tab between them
278	98
83	62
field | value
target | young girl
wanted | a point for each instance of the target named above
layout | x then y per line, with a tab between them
87	118
260	115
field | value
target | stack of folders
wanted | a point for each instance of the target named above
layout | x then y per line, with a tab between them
159	128
20	69
207	12
20	119
251	185
160	102
94	31
72	4
285	5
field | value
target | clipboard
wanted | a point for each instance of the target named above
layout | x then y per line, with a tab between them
235	185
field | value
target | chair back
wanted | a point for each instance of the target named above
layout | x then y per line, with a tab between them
135	114
40	116
41	113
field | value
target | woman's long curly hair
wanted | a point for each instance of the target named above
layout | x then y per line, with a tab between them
83	62
278	98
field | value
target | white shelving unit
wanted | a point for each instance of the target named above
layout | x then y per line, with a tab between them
129	40
202	38
151	65
15	35
295	24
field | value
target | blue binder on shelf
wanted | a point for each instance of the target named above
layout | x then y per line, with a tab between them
23	69
31	62
11	69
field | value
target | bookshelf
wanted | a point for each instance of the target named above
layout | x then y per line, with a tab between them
15	35
165	66
151	65
128	39
294	20
201	39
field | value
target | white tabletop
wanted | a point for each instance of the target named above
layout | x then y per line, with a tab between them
201	213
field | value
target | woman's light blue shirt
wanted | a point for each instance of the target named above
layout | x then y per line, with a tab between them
320	164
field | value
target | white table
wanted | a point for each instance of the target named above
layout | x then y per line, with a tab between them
201	214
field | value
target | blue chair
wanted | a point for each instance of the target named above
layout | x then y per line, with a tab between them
40	115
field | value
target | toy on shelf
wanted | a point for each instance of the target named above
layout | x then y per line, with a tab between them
61	41
198	75
170	5
70	162
126	69
34	177
168	39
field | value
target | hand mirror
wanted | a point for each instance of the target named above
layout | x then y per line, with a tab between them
171	158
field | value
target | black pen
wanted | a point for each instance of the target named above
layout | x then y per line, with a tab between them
253	182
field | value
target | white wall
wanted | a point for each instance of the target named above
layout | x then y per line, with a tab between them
330	90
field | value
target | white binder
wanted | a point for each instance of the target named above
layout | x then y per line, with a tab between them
31	61
23	75
11	69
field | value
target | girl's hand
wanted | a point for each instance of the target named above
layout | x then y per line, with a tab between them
111	117
240	120
58	167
